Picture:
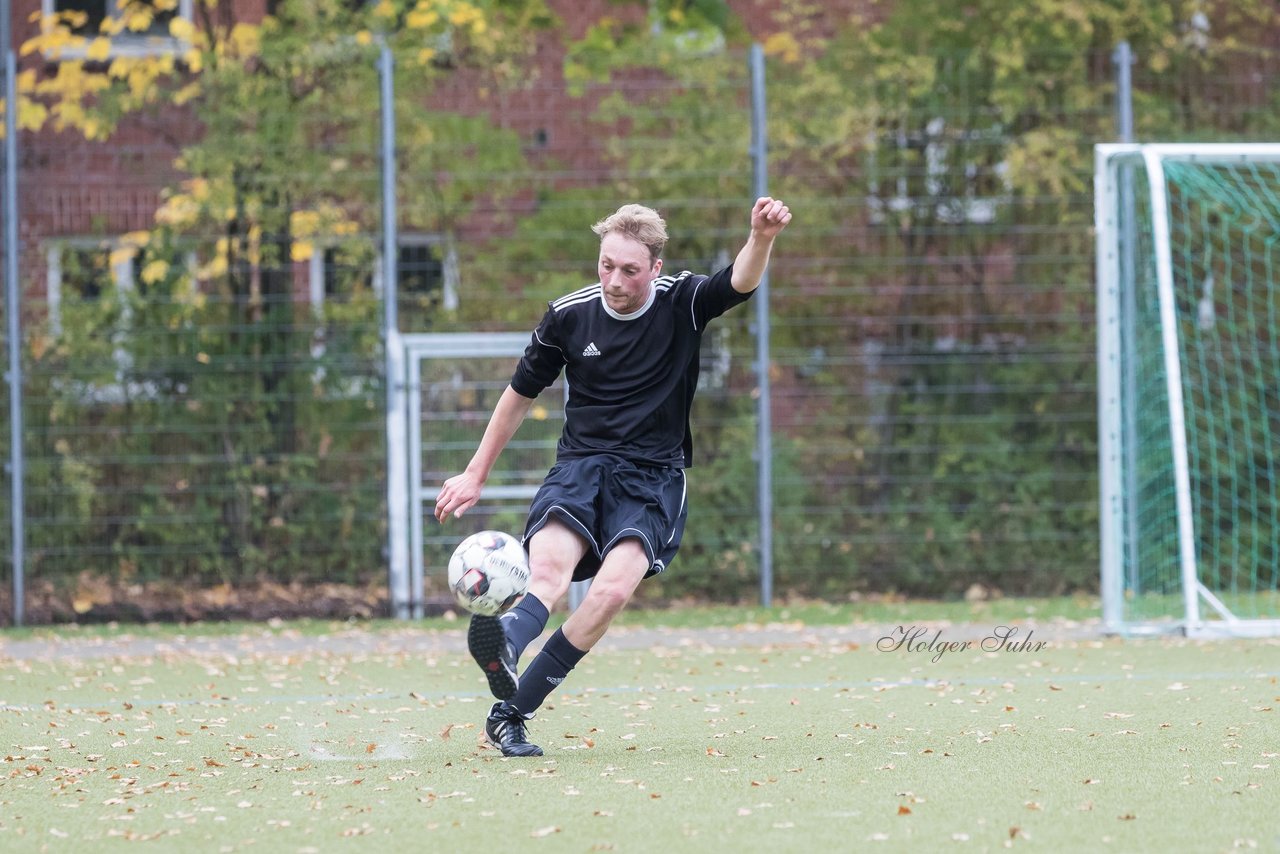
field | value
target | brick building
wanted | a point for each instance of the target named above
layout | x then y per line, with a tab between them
77	197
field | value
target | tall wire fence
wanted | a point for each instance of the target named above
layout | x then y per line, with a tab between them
199	420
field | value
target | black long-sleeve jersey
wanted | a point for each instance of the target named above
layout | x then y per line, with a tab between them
631	377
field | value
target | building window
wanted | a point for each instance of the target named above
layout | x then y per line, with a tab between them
338	273
426	280
85	291
85	271
716	357
426	272
420	269
155	39
80	271
93	287
936	170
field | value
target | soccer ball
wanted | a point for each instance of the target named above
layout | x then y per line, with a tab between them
488	573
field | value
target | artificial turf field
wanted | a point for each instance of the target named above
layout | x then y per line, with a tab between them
781	738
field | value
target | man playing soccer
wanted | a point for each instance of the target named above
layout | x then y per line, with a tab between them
612	508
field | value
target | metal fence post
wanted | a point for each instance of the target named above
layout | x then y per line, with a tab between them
764	415
13	310
397	467
1123	59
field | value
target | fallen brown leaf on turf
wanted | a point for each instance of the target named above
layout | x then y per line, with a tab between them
904	810
444	733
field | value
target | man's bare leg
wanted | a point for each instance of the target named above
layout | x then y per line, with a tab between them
497	642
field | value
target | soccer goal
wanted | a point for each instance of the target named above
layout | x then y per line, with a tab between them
1188	260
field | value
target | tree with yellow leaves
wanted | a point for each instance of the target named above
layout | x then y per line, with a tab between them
220	360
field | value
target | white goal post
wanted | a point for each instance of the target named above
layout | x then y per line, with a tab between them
1181	269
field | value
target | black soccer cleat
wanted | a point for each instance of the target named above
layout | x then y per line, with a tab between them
488	645
505	729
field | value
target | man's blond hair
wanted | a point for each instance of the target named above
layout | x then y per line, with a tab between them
641	224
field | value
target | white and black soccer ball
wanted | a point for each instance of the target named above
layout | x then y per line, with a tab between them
488	573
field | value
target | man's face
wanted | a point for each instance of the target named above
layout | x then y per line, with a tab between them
626	272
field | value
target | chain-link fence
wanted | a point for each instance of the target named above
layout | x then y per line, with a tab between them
204	404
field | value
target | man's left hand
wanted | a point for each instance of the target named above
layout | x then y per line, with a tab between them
769	217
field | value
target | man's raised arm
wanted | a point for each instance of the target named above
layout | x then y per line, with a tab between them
768	217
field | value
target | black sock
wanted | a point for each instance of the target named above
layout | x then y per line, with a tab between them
523	623
548	670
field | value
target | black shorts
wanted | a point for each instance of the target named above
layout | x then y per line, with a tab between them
605	499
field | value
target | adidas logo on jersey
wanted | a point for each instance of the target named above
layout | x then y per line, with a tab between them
591	350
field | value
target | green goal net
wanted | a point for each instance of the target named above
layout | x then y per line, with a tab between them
1189	386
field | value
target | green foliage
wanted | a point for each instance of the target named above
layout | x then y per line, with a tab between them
202	445
211	424
719	558
671	34
208	423
967	138
969	145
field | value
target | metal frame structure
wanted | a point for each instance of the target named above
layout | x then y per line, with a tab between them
463	345
408	578
1109	160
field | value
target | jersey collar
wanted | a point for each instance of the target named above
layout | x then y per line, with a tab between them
635	315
